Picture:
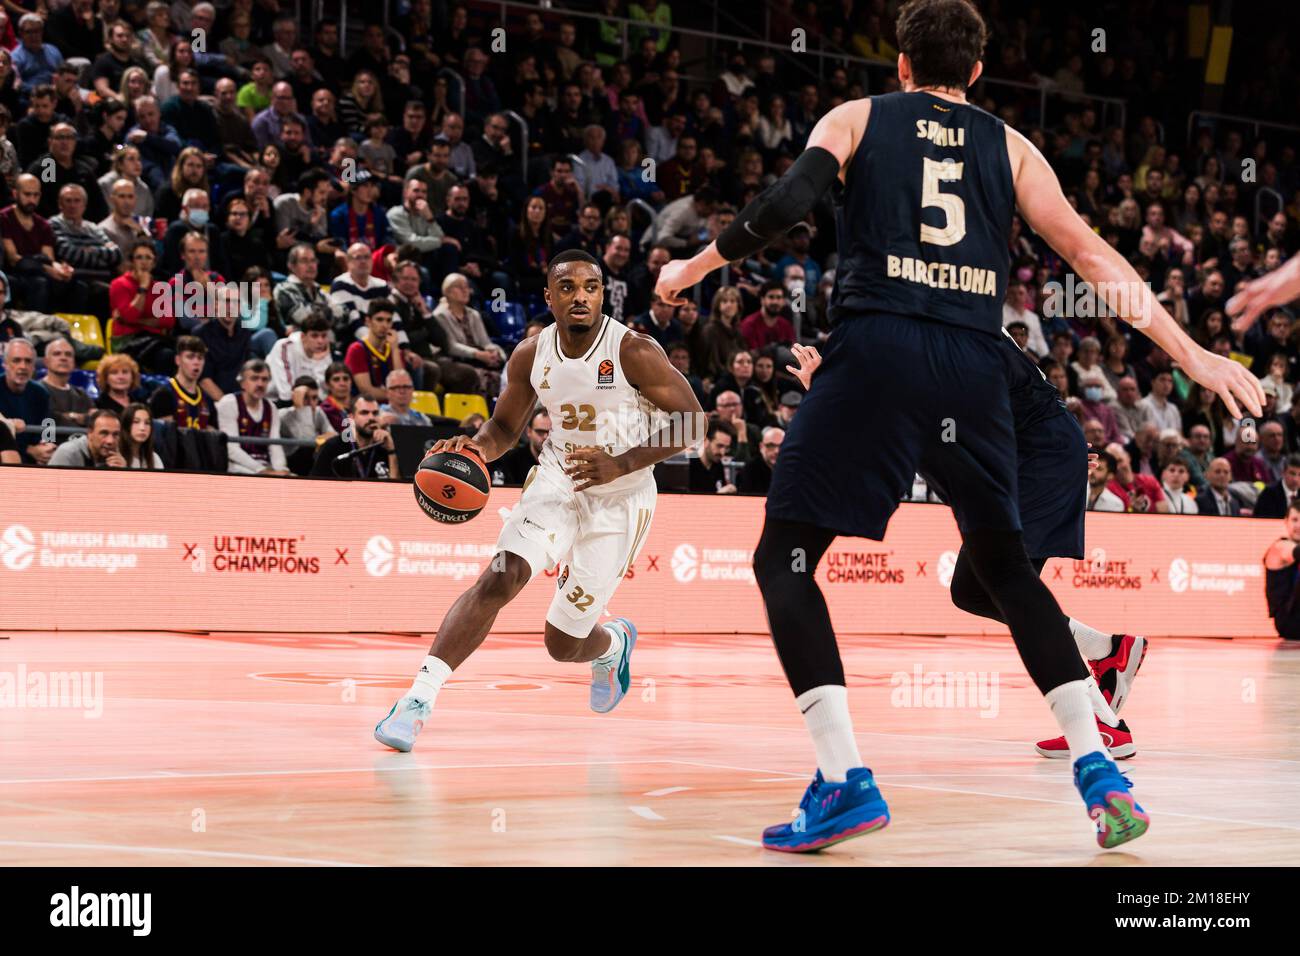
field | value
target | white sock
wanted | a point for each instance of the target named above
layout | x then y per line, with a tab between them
615	644
1099	706
826	712
433	674
1093	644
1072	707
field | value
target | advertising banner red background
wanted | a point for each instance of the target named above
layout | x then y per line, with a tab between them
136	551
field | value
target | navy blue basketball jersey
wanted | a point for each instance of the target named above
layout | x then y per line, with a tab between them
1033	397
925	214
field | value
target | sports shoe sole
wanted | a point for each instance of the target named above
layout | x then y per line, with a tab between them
402	745
1118	752
1120	820
860	829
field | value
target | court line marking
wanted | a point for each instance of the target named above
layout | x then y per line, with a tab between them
645	813
938	738
1009	796
153	775
178	851
665	791
726	838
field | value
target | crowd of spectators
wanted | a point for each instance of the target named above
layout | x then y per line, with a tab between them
369	240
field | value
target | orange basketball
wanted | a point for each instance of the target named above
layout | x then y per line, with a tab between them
452	487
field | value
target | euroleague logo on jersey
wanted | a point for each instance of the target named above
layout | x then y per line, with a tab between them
605	373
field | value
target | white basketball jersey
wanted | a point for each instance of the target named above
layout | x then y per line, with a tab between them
591	402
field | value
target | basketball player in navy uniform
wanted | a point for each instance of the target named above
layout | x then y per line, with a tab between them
588	502
915	380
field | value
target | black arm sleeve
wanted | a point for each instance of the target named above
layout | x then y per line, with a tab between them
781	205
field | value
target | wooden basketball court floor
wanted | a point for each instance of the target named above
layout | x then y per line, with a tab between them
257	750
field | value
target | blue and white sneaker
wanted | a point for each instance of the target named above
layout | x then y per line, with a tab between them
830	813
1118	817
403	723
610	682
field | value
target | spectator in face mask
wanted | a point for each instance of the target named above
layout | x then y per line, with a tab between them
1093	404
1087	360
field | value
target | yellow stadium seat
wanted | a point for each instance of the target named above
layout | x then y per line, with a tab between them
85	329
460	407
108	338
426	402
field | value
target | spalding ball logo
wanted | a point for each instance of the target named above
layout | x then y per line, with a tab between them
378	556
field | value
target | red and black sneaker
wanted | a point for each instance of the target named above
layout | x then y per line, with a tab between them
1118	741
1115	674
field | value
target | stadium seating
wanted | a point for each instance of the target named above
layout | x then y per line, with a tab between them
426	402
460	406
85	329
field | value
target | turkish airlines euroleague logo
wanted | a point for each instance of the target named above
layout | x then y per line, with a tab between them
605	373
17	547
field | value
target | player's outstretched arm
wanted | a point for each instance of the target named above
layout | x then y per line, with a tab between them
648	369
1277	288
778	207
1046	210
501	432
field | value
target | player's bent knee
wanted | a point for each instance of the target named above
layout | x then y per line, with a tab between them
561	646
503	578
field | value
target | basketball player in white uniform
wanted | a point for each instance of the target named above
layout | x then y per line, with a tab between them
587	504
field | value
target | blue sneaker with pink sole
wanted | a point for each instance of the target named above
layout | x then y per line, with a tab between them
830	813
1118	817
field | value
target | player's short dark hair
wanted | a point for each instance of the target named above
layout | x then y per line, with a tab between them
943	39
718	425
571	255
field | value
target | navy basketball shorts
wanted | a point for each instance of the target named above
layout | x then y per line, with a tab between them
897	395
1052	470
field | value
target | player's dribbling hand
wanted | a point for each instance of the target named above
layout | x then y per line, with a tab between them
809	359
1228	379
592	466
459	444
